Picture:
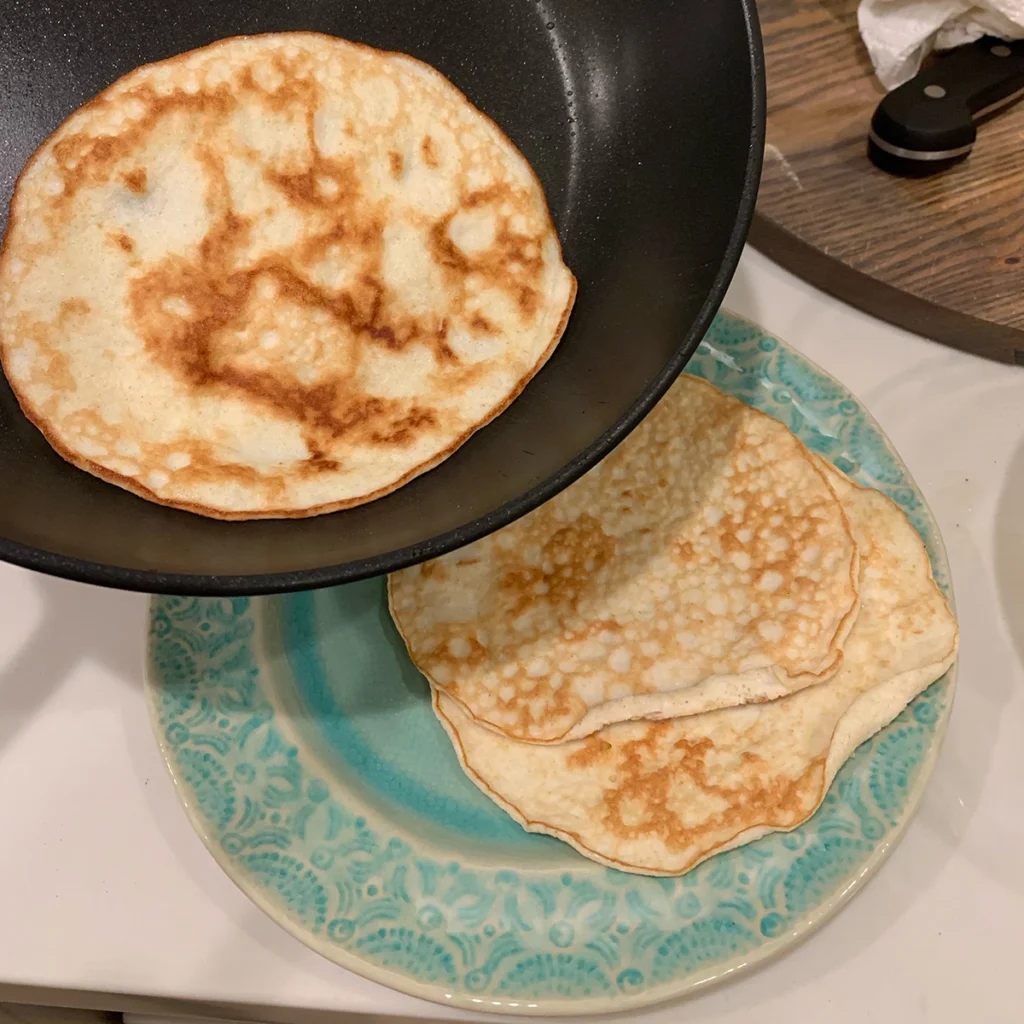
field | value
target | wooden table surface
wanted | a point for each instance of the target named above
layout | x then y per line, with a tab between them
942	256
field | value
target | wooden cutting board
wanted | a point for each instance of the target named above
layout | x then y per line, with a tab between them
941	256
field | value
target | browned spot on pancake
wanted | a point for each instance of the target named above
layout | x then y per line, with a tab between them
53	369
88	160
442	350
397	164
578	549
136	180
209	466
74	307
476	654
123	242
483	196
592	749
478	322
429	153
528	301
464	375
83	159
512	264
444	251
59	375
403	429
310	187
88	423
294	86
640	804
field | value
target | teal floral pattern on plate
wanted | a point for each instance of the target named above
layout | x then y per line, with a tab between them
304	749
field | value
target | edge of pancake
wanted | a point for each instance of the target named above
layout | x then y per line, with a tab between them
653	706
132	485
846	740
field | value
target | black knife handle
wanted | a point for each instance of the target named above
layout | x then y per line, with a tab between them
930	122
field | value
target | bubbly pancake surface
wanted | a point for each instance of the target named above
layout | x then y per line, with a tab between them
707	562
276	276
659	797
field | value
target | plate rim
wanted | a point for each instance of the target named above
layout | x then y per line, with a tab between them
670	992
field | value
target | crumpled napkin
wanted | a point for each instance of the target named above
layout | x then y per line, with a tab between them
899	34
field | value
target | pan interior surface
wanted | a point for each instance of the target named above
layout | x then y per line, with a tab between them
646	133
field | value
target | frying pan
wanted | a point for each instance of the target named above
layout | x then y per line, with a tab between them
643	120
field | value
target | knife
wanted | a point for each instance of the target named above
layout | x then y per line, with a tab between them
930	123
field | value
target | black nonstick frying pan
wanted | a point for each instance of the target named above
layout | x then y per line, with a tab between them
645	123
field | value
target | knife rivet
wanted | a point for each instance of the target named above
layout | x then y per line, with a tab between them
1000	51
934	92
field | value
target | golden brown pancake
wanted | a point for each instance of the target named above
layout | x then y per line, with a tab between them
707	562
277	276
659	797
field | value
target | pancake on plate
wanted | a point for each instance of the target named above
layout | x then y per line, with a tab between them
706	563
659	797
276	276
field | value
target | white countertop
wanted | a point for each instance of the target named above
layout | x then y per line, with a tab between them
104	886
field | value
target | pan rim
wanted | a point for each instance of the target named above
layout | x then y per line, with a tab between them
236	585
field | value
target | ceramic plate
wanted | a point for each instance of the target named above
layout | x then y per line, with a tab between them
305	751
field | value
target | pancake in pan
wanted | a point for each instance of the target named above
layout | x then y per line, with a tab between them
277	276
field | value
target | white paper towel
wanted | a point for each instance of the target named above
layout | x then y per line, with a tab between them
899	34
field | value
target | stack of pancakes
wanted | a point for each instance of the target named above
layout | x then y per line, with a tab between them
677	654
